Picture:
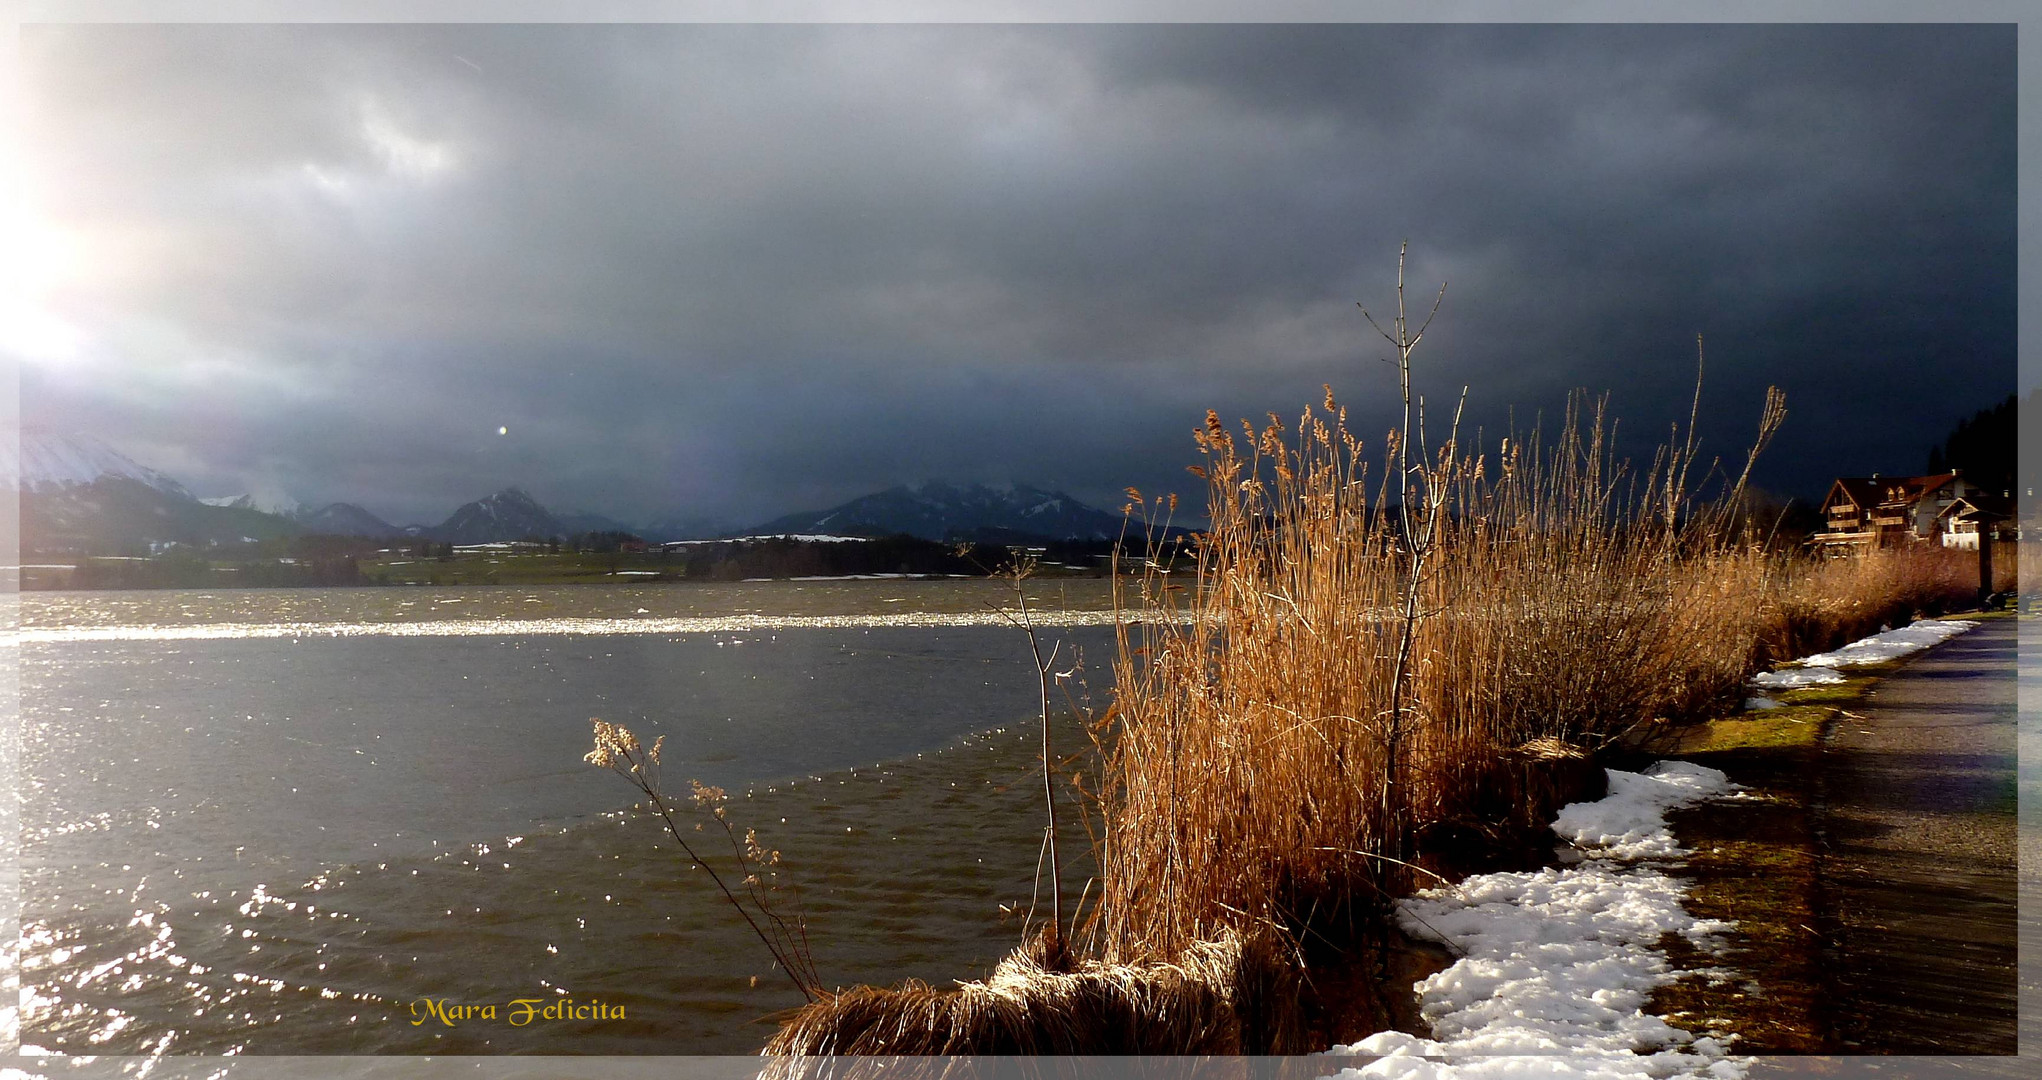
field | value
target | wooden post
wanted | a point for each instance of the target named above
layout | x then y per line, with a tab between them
1984	561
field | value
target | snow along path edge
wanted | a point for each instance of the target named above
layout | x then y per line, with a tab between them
1821	669
1559	963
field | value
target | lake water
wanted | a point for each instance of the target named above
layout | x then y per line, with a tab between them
276	821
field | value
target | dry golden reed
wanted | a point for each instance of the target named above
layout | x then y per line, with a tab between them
1272	684
1345	673
1272	688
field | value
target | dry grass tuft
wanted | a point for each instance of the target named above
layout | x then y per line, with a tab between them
1229	996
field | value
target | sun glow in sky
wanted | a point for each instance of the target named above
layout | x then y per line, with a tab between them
34	260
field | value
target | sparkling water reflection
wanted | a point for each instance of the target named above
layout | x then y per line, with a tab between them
283	844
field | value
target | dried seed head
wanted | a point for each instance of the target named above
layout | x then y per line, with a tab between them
607	744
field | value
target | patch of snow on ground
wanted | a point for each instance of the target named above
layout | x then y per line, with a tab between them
1631	822
1821	669
807	538
1759	704
1794	678
1891	645
1558	964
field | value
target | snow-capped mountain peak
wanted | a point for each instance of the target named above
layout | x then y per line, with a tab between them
346	519
510	514
45	461
280	505
937	510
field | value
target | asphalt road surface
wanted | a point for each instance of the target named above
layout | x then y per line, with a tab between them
1916	828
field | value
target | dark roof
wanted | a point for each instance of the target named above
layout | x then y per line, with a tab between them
1870	491
1862	490
1917	488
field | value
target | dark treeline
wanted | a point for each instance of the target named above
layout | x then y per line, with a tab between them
734	560
315	561
185	569
1982	446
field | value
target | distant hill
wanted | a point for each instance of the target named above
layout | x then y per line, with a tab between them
509	514
80	495
281	507
346	519
43	460
118	514
1010	513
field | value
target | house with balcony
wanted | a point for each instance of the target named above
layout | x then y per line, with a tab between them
1885	511
1968	519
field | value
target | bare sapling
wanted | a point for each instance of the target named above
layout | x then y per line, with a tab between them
1428	483
1057	952
1018	568
785	937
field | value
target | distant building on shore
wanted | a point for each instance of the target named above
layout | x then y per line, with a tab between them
1974	516
1944	509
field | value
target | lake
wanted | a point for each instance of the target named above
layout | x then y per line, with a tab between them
277	821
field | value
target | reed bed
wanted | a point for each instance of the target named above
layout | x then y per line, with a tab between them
1328	696
1353	674
1325	699
1819	604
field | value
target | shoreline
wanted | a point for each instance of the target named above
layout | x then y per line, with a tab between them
1760	863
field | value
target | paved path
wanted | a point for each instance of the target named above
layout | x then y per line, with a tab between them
1916	831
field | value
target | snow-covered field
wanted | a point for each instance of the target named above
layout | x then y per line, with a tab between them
1556	965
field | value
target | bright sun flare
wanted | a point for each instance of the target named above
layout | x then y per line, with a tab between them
33	259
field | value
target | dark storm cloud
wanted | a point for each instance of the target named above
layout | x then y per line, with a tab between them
741	270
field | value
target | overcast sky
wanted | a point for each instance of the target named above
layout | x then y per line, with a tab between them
732	272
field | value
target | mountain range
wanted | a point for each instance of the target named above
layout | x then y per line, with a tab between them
940	511
79	494
46	461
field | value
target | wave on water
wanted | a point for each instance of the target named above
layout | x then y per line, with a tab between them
713	624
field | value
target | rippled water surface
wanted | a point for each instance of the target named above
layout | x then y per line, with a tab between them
162	608
277	844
